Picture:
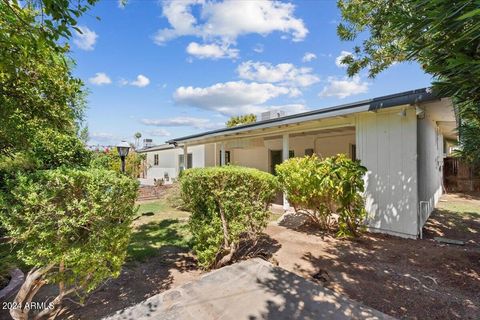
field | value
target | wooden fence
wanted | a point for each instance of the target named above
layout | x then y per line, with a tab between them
460	176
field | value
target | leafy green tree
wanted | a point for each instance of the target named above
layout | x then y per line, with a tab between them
137	137
71	226
38	90
443	36
239	120
111	161
71	223
84	135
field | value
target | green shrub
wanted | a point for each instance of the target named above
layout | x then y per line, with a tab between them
174	197
72	226
327	191
228	204
110	160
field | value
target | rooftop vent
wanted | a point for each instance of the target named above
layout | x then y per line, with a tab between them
272	114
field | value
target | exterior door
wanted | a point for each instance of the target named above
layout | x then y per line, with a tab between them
276	158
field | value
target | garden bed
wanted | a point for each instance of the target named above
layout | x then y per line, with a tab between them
419	279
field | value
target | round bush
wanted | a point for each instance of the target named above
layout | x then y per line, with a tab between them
227	203
75	221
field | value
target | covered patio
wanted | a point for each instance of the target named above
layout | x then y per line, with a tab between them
264	148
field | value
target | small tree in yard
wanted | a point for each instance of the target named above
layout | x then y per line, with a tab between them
71	226
239	120
228	204
323	189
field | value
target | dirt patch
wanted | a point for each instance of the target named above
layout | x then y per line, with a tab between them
457	217
172	267
416	279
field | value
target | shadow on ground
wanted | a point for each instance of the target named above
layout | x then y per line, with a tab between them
171	266
296	298
418	279
148	239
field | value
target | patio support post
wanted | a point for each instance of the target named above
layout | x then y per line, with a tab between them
285	156
222	154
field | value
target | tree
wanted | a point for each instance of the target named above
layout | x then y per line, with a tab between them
70	223
239	120
137	137
443	36
38	91
71	226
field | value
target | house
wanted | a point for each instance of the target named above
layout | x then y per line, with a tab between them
400	138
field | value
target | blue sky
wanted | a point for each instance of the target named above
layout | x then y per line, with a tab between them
168	69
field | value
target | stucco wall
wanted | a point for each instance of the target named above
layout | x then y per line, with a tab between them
430	162
168	161
324	146
387	146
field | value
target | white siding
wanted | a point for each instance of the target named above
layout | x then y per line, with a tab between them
430	162
168	161
387	146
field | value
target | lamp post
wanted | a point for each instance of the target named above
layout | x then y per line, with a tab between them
122	149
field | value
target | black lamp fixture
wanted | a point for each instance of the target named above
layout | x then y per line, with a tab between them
123	147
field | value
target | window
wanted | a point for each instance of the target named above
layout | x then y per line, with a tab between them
181	162
227	157
155	159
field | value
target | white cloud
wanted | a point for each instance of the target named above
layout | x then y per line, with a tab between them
230	98
283	73
198	123
211	51
224	21
100	79
86	39
141	81
342	88
338	60
160	133
259	48
309	56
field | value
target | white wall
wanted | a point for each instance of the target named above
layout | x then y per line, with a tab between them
387	146
324	146
168	161
430	162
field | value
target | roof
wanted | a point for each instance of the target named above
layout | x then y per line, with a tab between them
164	146
402	98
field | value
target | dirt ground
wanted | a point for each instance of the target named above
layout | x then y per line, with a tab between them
170	268
414	279
138	281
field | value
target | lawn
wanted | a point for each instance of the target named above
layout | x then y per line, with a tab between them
157	225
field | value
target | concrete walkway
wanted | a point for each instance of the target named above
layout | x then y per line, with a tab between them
252	289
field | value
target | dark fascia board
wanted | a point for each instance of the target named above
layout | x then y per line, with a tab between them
397	99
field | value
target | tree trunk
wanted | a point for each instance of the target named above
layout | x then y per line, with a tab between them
224	227
33	282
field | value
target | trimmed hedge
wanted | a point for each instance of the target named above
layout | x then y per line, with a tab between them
327	191
228	204
72	223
